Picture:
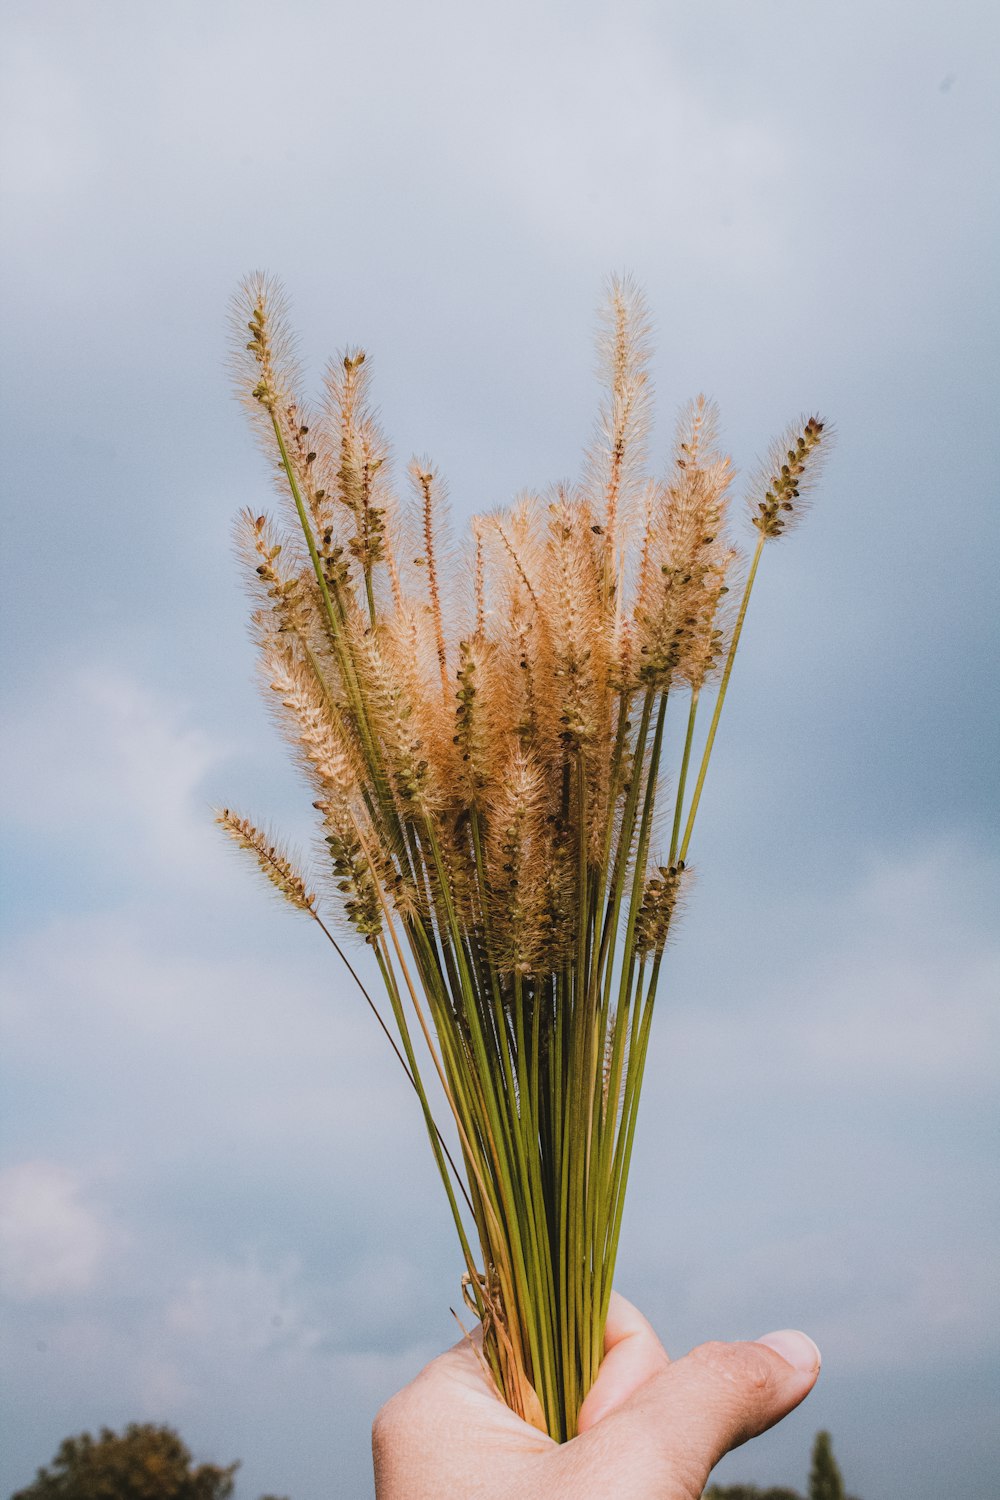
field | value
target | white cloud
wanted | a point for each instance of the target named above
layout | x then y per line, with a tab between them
908	990
102	760
891	981
596	133
242	1313
872	1298
813	1143
267	1042
244	1308
52	1241
576	154
247	1357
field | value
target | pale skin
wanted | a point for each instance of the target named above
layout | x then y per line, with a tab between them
651	1428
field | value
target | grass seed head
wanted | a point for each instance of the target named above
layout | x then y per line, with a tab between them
660	899
780	495
272	860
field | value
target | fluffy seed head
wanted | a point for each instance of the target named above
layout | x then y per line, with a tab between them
780	493
274	863
685	560
520	865
617	455
359	455
659	907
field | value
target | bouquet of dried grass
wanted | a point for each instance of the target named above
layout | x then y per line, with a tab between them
484	747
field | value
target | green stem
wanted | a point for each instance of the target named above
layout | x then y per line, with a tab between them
605	962
416	1085
731	657
370	595
633	1087
682	778
388	978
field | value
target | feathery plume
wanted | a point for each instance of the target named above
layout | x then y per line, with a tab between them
519	858
354	874
361	457
686	560
271	859
660	898
397	725
276	575
426	481
791	471
573	615
315	735
479	580
615	460
472	727
264	365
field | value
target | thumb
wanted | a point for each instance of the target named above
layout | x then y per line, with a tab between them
720	1395
678	1419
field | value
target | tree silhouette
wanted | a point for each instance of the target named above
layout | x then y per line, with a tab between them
825	1482
145	1462
748	1492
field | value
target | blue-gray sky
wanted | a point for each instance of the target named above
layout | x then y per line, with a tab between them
219	1210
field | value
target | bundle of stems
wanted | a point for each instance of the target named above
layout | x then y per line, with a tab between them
483	737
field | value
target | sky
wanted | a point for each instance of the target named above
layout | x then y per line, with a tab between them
218	1208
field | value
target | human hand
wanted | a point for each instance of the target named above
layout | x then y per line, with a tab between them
650	1428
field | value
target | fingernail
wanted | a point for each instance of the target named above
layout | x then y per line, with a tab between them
796	1348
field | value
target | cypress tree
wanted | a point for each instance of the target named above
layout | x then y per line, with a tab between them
825	1482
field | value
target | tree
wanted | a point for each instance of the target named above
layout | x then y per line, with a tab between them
825	1482
747	1492
144	1463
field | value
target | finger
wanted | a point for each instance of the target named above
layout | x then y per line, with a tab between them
632	1355
720	1395
625	1321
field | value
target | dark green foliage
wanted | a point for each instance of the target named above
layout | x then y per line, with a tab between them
145	1462
748	1492
825	1482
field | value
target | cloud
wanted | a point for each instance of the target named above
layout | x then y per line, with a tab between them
890	981
813	1145
906	994
528	126
265	1040
245	1308
110	772
52	1241
244	1354
269	1314
578	156
875	1299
